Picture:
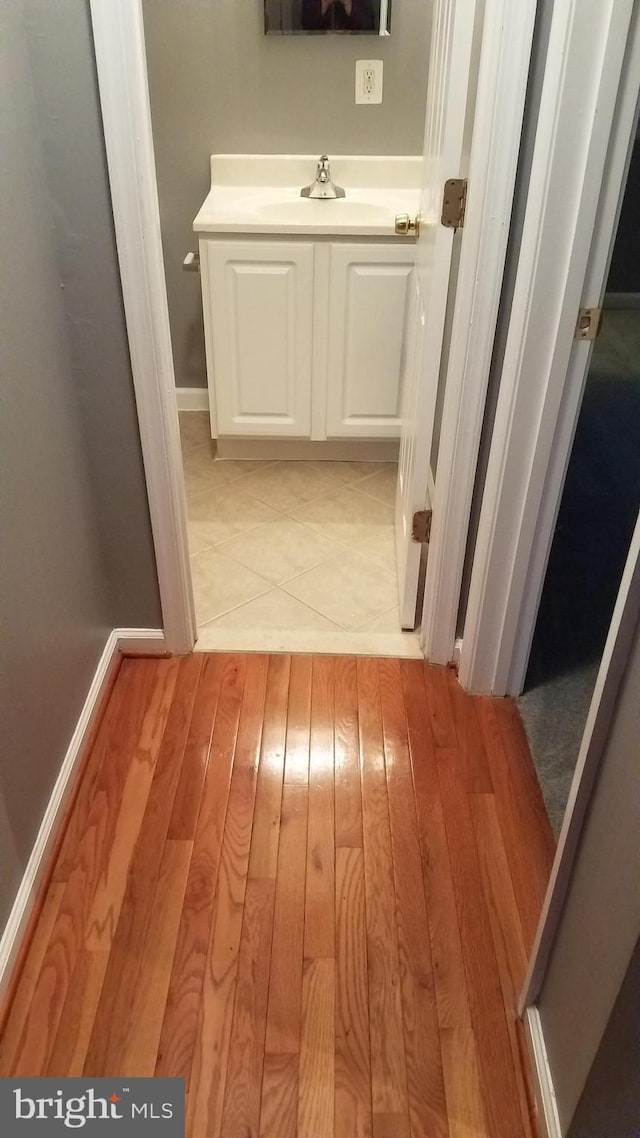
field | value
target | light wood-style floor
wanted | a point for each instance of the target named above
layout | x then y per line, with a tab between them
309	886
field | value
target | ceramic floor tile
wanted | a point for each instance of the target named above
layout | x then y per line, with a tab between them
347	590
275	610
378	546
288	485
382	484
195	428
220	584
203	471
386	622
280	549
348	472
347	517
197	542
224	512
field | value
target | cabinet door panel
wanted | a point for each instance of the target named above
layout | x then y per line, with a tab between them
260	314
367	314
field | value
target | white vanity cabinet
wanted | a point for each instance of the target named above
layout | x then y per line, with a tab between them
368	295
258	312
305	338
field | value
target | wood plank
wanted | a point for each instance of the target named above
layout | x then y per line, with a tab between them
241	1113
530	861
180	1027
316	1093
391	1126
467	1117
67	937
77	1017
470	739
263	861
123	692
299	721
499	1087
446	946
140	1046
279	1101
388	1063
279	1098
211	1047
319	912
102	919
127	956
348	792
188	794
352	1052
427	1107
26	984
443	725
285	986
506	929
69	1051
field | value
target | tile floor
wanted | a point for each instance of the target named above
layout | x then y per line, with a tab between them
297	556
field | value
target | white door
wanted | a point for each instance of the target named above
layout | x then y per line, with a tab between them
259	335
451	84
368	291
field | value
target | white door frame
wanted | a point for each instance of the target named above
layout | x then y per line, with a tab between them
122	77
582	143
122	74
504	66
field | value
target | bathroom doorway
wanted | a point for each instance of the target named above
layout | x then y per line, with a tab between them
490	139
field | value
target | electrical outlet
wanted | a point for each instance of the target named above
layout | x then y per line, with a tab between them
368	81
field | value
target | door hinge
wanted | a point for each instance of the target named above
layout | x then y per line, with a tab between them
588	325
421	528
454	200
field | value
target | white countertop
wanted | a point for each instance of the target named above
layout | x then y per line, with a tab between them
261	194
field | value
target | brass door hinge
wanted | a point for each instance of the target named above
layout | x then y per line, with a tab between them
454	200
421	528
588	325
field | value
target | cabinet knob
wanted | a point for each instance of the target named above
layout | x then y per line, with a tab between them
407	226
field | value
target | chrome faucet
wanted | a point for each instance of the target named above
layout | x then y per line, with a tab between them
323	186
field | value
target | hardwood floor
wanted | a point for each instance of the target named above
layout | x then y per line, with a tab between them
308	886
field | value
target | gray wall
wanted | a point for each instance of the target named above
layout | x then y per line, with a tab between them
600	923
218	84
610	1102
67	429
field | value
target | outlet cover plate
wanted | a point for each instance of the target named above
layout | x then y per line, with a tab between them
368	81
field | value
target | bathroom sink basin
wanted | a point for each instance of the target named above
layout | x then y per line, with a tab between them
261	194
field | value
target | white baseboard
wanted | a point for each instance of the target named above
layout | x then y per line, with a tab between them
141	641
192	398
543	1082
40	855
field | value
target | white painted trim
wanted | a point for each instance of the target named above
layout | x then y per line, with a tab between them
543	1083
504	65
614	662
141	641
577	113
38	864
122	76
192	398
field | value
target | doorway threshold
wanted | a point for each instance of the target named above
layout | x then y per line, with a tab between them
402	645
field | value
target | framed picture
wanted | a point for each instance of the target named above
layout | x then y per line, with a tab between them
327	17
